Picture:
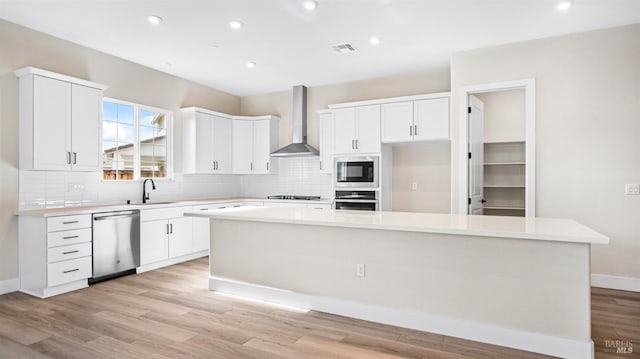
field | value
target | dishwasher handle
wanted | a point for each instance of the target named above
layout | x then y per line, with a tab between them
114	215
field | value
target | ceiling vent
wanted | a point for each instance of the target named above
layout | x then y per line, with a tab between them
343	49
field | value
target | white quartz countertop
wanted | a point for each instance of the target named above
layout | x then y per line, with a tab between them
66	211
547	229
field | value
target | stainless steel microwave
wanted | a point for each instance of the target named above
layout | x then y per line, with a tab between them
356	171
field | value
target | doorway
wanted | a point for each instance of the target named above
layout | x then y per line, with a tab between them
497	139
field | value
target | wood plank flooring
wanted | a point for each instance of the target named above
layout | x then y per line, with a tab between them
170	313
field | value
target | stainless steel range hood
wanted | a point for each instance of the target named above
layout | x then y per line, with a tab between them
299	147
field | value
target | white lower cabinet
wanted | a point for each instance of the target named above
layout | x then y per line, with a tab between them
154	241
165	234
54	254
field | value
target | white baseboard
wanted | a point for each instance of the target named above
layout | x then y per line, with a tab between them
171	261
615	282
513	338
9	285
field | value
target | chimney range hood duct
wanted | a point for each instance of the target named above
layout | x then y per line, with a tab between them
299	147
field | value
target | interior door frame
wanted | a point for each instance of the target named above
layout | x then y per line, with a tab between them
529	85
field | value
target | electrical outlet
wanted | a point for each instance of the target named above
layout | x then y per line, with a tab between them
632	188
360	270
414	186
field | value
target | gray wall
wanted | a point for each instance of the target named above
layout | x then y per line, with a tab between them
587	130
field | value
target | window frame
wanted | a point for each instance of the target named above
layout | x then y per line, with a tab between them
136	142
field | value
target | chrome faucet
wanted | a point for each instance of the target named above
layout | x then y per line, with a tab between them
145	194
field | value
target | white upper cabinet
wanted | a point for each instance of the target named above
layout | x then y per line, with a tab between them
420	120
357	130
206	141
242	147
60	119
262	146
253	141
397	122
86	120
431	119
326	142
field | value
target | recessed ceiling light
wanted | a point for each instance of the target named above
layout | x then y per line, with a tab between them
154	19
564	5
235	24
374	41
250	64
309	5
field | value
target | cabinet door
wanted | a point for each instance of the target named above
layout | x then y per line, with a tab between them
201	227
368	130
180	237
344	124
431	119
86	119
204	143
222	148
326	143
397	122
242	146
154	241
51	122
262	146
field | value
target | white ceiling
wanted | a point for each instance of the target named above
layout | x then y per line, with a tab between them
292	46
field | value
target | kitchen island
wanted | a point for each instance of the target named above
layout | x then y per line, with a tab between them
516	282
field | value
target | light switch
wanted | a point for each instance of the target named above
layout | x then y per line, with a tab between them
414	186
632	189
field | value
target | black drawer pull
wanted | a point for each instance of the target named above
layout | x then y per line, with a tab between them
204	209
70	222
71	270
76	251
69	237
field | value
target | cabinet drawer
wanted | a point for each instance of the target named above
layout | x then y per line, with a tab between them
63	238
73	251
163	213
64	223
68	271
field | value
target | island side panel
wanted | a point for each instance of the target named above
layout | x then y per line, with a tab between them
530	285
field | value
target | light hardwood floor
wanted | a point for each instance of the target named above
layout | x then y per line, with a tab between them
169	313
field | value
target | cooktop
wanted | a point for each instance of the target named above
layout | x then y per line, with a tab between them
297	198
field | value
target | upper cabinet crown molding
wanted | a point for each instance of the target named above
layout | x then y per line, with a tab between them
390	100
226	115
44	73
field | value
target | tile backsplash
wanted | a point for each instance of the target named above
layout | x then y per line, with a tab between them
50	189
296	176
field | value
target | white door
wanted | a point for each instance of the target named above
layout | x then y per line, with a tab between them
326	143
204	143
242	146
154	241
86	119
180	237
368	129
261	146
476	162
397	122
51	122
431	121
222	148
344	124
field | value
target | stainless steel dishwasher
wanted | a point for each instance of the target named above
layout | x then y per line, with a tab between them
116	244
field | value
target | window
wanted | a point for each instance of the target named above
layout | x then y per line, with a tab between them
136	141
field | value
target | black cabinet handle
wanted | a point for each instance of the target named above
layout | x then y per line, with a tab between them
70	222
72	270
69	237
76	251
